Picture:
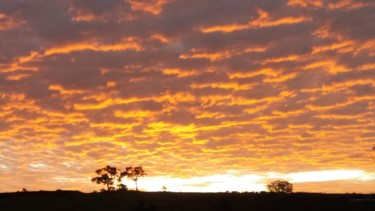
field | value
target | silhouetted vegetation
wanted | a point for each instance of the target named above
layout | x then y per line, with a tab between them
122	187
133	173
280	186
108	175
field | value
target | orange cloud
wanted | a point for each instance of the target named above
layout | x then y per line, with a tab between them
97	83
331	66
17	77
341	4
179	73
64	91
149	6
161	38
220	55
266	71
125	44
264	20
348	4
234	86
335	46
10	22
304	3
282	59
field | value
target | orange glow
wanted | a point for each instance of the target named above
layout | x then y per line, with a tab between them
323	32
234	86
279	79
178	72
347	4
65	91
266	71
226	28
17	77
255	49
9	22
282	59
334	46
341	4
305	3
153	7
331	66
129	43
263	20
196	54
93	106
84	17
111	84
205	96
132	114
367	67
160	37
21	63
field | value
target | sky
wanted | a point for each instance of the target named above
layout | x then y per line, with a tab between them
206	95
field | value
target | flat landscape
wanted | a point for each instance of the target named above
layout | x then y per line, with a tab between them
152	201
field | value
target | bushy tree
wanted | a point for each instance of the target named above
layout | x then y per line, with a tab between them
280	186
107	176
133	173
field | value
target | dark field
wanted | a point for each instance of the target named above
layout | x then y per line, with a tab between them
130	200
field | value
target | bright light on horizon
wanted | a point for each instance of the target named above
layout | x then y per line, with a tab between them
328	175
334	181
249	182
215	183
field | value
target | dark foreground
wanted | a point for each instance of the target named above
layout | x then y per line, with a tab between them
152	201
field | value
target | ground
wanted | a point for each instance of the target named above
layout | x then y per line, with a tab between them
165	201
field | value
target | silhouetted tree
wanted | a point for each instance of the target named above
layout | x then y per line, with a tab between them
133	173
373	149
107	175
280	186
164	188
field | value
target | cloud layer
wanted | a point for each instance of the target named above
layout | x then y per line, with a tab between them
186	88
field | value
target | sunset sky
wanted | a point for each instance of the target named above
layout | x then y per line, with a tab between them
206	95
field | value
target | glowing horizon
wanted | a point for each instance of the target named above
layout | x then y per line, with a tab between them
239	183
206	95
254	182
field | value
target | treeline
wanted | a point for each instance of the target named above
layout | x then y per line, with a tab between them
109	176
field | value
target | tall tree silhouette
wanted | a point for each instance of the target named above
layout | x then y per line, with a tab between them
107	175
133	173
373	149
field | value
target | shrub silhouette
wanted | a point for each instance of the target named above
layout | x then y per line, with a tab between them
280	186
122	187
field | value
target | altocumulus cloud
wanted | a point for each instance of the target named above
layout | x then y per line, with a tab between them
188	89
